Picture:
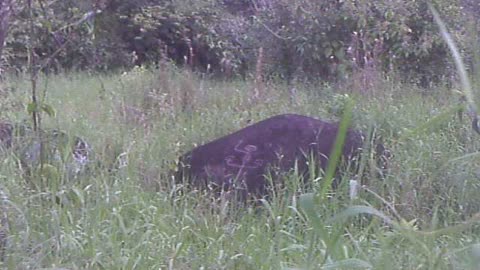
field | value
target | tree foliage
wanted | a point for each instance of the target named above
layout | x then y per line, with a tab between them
5	11
310	38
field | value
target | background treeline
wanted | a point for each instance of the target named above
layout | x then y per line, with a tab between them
325	39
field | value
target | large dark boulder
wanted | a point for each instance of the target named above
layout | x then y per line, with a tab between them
239	162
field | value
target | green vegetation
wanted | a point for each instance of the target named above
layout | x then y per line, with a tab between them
421	217
302	38
145	81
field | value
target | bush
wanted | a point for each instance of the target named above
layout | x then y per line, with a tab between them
311	39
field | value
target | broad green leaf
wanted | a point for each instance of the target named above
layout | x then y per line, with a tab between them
48	109
360	209
328	51
348	264
31	107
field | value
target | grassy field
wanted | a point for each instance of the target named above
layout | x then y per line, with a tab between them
422	216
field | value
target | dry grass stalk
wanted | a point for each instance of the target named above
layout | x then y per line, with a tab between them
186	92
136	117
4	225
258	84
191	55
366	78
133	115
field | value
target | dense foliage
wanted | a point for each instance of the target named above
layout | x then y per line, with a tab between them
326	39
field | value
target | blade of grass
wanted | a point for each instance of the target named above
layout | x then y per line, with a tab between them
360	209
337	151
460	66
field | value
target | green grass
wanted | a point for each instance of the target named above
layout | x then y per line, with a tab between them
423	216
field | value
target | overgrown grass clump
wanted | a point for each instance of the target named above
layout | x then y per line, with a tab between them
421	216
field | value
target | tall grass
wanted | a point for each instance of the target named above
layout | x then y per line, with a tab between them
422	216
